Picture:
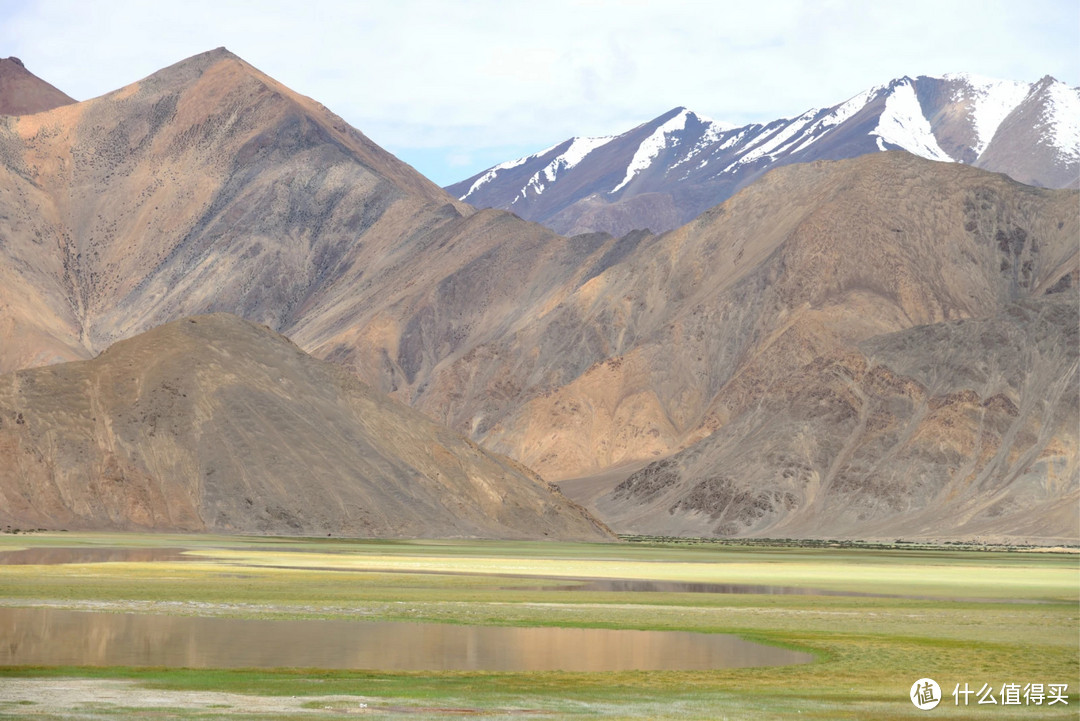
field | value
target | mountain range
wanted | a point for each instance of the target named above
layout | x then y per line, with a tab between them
877	346
665	172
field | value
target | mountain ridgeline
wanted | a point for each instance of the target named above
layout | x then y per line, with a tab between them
667	171
23	93
877	346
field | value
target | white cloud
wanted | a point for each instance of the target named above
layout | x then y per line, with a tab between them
470	76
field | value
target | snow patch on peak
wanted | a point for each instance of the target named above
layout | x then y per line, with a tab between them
711	135
774	143
574	154
840	114
1062	113
991	101
714	126
579	148
493	171
852	105
651	147
902	124
969	78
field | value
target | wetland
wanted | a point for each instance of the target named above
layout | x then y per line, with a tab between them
869	621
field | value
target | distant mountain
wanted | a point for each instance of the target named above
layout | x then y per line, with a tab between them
665	172
23	93
212	423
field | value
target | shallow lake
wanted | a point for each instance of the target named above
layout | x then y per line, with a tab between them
50	637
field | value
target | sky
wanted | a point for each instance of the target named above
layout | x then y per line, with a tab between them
455	86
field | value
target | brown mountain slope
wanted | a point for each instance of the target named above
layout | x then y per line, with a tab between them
629	365
718	328
213	423
210	187
205	186
23	93
959	429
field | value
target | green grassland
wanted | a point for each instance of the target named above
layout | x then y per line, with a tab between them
958	616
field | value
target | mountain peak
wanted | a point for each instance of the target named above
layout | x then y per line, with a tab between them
706	120
199	62
673	113
23	93
219	53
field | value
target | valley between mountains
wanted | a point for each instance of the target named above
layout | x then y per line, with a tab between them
879	346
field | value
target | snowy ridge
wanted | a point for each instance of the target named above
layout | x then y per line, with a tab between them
775	143
651	147
716	127
490	174
802	131
849	107
579	148
903	125
991	102
843	112
1032	130
736	138
713	132
1062	114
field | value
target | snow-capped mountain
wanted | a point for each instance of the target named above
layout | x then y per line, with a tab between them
665	172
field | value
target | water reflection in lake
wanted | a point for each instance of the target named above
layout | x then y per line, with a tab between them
49	637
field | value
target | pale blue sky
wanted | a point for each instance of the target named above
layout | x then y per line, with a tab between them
453	87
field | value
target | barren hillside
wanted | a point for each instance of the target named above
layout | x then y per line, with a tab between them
212	423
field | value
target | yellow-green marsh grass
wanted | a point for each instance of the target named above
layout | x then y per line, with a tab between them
897	572
988	617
